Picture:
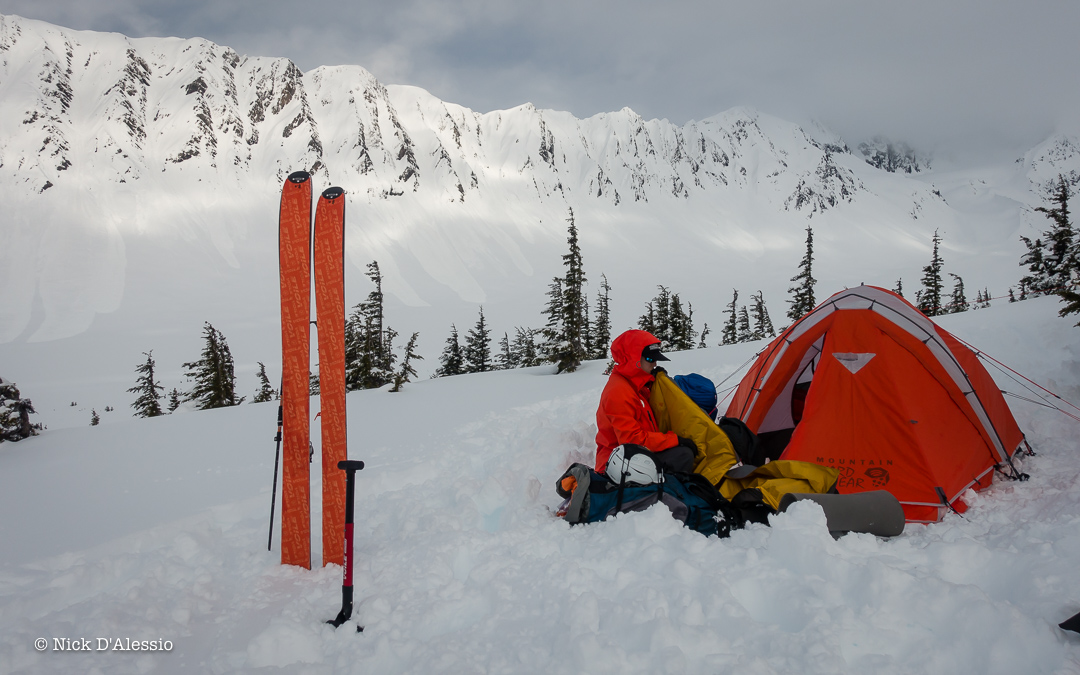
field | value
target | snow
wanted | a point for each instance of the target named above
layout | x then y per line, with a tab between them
156	530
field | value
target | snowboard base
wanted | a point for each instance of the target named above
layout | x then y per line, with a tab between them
877	512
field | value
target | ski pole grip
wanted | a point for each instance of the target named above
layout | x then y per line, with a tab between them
350	465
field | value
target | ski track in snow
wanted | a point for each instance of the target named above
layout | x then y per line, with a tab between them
461	567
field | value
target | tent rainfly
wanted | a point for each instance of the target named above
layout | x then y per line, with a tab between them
867	384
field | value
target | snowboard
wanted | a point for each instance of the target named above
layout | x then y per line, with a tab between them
294	259
329	266
876	512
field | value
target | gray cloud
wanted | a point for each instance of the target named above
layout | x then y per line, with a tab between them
970	74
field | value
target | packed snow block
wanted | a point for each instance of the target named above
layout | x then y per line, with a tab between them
877	512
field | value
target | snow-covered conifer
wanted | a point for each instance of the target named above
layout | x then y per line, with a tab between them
213	376
15	414
478	347
406	372
147	404
802	292
452	361
266	392
929	298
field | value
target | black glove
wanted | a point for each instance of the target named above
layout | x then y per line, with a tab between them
689	443
657	370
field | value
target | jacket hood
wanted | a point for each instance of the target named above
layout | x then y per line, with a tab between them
626	350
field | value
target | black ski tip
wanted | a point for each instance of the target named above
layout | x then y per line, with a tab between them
332	193
299	176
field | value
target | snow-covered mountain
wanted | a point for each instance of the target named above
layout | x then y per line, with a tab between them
140	181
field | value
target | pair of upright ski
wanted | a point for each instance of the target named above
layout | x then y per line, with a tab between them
300	252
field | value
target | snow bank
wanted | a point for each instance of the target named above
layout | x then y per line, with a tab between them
156	530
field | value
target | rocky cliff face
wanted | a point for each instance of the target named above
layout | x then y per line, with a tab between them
118	109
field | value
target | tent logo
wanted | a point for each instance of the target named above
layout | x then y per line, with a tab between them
849	478
878	476
853	362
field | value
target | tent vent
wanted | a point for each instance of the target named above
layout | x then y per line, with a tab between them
853	362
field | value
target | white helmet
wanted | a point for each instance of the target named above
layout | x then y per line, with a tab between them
632	463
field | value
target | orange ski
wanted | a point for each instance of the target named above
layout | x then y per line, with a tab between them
294	258
329	262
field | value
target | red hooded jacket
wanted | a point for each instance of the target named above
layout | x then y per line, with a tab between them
624	415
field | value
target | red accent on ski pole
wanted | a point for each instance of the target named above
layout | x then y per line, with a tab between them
346	557
350	467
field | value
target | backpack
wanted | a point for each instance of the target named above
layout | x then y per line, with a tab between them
593	497
743	440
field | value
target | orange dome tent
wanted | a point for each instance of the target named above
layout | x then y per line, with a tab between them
867	384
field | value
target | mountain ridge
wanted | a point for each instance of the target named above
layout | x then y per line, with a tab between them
141	178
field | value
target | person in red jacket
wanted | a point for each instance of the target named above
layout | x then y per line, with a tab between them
625	416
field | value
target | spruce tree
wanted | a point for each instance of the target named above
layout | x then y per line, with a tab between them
574	321
175	399
504	360
147	404
647	321
601	327
745	334
15	412
524	348
266	392
452	361
95	418
729	334
1061	257
478	347
763	326
213	375
406	372
551	345
1012	296
899	290
958	301
1071	297
802	292
1037	280
704	334
929	298
681	331
369	342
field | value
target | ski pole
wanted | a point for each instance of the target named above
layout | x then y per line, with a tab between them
350	467
273	491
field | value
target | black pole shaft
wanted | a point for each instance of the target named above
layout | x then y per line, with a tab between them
350	467
273	490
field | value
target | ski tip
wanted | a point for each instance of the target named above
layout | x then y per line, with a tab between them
299	176
332	193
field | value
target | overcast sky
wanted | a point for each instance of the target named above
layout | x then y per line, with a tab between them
983	75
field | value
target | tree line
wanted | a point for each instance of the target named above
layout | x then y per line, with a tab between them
575	330
569	336
371	361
